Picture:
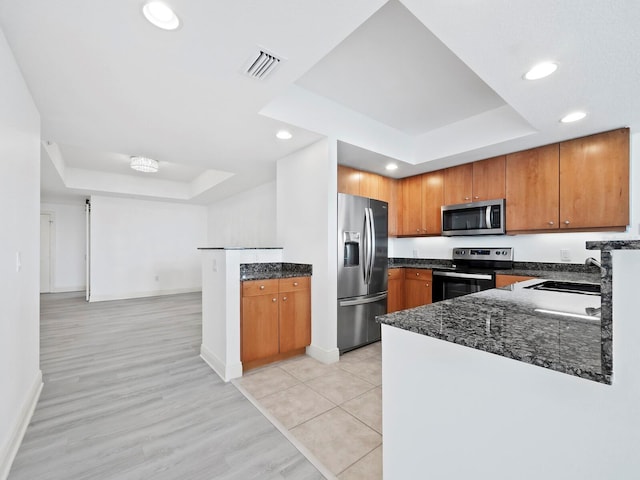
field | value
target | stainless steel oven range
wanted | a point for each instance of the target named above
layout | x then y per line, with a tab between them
473	271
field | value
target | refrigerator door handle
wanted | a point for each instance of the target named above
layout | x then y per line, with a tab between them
350	302
372	242
367	246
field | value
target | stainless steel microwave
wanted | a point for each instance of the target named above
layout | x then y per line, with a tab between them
476	218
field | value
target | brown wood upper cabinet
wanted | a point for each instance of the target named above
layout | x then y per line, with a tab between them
371	185
594	181
474	182
580	184
532	189
422	197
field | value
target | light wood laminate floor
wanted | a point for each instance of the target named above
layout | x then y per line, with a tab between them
126	396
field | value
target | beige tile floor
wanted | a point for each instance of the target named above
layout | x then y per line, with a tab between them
334	411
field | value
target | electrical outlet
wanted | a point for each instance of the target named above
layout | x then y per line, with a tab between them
565	255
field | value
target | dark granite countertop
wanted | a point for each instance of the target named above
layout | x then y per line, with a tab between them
509	322
553	271
269	271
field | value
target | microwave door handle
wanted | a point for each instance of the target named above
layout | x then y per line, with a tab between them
488	216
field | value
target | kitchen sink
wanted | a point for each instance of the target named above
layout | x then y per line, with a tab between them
582	288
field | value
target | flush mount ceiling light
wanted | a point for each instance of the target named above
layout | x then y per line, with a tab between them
573	117
391	166
541	70
284	135
144	164
161	15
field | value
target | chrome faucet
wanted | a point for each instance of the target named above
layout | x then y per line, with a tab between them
593	261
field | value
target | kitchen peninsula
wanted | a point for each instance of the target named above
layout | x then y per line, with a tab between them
223	269
542	403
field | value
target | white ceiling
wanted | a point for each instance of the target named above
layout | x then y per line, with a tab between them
430	83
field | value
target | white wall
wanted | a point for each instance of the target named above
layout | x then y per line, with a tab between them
69	247
143	248
530	248
307	205
20	376
452	412
245	220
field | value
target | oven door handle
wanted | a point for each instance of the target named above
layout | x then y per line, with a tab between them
474	276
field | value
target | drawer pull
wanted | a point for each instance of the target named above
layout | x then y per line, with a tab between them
295	284
261	287
284	299
274	299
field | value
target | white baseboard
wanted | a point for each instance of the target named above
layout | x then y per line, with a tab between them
224	371
153	293
68	289
323	355
9	451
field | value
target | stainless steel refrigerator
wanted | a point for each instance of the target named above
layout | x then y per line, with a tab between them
362	269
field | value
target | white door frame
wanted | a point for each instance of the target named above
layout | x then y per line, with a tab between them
51	246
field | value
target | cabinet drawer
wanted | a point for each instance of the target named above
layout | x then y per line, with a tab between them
419	273
259	287
294	284
394	273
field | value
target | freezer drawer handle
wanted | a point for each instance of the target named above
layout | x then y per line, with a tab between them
362	301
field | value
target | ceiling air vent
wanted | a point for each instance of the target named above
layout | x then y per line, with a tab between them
262	65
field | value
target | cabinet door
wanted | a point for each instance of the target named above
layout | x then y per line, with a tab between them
432	201
489	179
388	192
259	327
417	292
533	189
458	184
295	320
348	180
370	185
395	290
412	205
594	181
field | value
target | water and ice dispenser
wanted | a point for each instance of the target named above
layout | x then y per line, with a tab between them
351	249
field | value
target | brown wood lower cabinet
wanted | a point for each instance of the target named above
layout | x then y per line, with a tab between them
275	320
504	280
417	287
395	290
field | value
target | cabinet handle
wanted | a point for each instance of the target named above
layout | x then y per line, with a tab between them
261	287
566	222
476	197
274	299
284	299
426	284
551	223
417	274
295	284
417	230
466	198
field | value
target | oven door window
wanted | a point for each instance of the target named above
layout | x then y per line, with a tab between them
445	288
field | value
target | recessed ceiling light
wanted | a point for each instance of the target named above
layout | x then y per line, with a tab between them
144	164
161	15
541	70
391	166
573	117
284	135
